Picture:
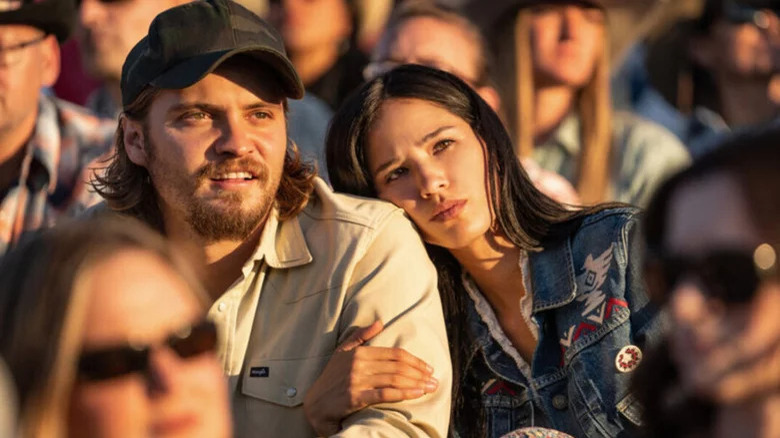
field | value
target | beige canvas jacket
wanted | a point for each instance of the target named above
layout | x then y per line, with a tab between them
342	263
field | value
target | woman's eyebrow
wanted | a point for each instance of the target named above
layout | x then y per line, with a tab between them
433	134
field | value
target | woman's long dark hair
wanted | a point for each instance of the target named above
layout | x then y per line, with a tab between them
524	215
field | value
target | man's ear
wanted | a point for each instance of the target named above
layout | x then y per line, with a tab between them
702	51
50	61
134	141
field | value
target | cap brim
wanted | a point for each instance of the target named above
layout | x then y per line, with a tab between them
192	70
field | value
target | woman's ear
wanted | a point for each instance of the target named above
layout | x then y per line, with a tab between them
134	141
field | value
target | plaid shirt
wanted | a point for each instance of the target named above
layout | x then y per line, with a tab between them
53	182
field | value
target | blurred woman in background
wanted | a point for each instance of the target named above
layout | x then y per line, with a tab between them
553	72
713	239
102	326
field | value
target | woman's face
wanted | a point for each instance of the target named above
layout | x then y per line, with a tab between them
724	351
429	162
566	40
136	299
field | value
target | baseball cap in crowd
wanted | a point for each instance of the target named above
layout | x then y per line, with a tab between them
56	17
487	17
187	42
737	11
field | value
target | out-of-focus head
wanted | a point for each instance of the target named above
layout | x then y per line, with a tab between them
103	330
307	25
461	151
567	41
110	28
713	239
29	56
203	134
422	32
739	38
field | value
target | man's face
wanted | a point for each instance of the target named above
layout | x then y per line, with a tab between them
307	24
745	50
29	61
438	44
215	151
110	29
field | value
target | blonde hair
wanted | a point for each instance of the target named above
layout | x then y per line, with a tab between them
43	303
594	109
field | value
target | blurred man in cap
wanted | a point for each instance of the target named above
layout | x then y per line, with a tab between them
735	53
203	154
45	143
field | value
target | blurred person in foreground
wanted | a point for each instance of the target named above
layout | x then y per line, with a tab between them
319	38
730	75
46	144
713	239
103	328
552	68
293	269
427	33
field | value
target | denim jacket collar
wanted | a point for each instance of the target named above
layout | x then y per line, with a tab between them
553	276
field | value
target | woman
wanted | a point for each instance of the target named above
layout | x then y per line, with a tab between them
542	303
553	73
103	330
713	237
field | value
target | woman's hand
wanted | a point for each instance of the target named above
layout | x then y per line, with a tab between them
357	377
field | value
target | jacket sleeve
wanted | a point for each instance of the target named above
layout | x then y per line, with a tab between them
646	322
395	282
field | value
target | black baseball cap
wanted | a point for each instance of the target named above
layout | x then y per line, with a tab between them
56	17
187	42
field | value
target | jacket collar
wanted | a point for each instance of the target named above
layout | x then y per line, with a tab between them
282	244
553	276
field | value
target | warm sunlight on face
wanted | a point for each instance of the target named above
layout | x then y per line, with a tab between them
430	162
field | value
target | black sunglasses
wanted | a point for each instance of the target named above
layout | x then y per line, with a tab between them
732	276
113	362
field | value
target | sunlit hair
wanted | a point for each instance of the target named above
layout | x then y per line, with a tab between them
515	71
43	300
523	214
127	187
411	9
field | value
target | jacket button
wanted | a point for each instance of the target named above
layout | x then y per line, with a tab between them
560	402
291	392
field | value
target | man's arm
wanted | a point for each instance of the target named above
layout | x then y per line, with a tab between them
395	282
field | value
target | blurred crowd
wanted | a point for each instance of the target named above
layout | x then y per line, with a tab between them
462	218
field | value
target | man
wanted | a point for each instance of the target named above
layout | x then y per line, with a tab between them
294	269
109	29
107	32
318	38
45	144
735	52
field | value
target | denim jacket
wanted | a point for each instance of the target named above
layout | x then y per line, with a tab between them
588	303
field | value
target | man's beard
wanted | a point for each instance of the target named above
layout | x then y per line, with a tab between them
229	221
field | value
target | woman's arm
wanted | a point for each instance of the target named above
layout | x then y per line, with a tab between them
358	376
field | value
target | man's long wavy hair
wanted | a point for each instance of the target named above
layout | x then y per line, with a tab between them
127	187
